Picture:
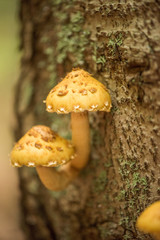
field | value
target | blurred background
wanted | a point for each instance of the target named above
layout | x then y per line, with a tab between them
9	71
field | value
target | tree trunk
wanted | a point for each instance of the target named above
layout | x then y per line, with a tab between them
119	43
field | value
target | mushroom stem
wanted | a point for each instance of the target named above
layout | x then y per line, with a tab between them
80	139
54	179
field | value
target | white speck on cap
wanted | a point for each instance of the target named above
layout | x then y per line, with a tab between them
17	164
49	107
31	164
76	107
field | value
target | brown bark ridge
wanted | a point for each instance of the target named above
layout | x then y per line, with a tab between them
118	41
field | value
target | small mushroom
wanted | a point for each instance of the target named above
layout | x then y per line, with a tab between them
149	220
45	150
84	93
39	146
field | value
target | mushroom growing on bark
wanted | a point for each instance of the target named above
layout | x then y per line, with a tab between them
77	94
149	220
42	148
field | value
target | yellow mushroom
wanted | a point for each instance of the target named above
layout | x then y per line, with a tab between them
77	94
149	220
42	148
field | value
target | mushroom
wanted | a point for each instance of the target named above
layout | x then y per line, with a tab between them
149	220
77	94
42	148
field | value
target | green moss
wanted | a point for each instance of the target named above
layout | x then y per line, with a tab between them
124	221
94	51
103	232
114	109
50	68
77	18
100	182
128	236
134	187
101	60
114	43
108	164
50	63
72	38
121	195
98	59
48	51
44	39
59	2
57	195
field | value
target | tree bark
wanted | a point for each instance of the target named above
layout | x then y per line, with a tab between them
119	43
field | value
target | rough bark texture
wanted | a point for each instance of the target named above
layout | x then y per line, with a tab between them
118	41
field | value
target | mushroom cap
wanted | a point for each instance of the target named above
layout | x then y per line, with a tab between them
149	220
78	92
40	146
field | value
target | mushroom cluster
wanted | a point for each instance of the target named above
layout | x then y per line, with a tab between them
40	147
